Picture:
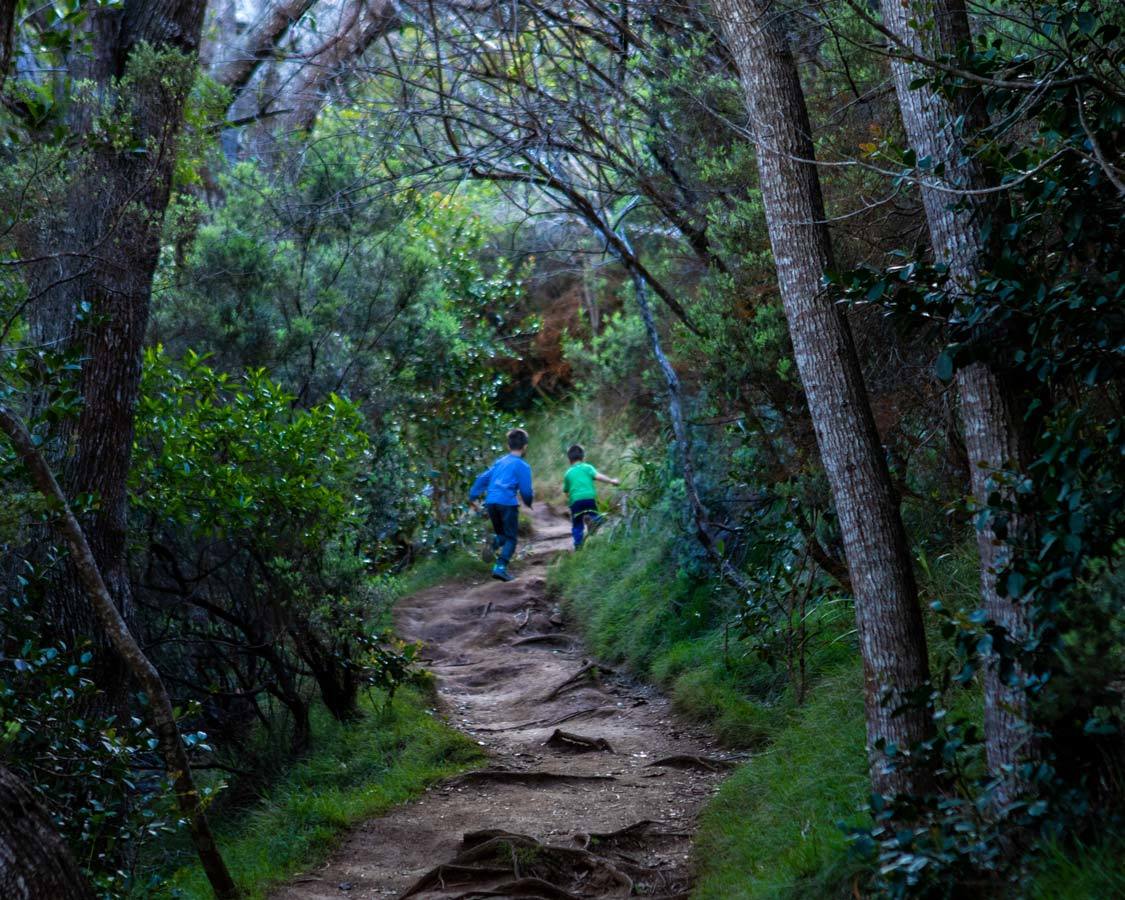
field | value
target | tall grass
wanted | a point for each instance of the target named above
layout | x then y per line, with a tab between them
610	447
1083	871
772	829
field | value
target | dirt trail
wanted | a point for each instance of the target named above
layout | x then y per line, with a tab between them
604	808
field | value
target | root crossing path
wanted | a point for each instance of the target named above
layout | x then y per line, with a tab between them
591	788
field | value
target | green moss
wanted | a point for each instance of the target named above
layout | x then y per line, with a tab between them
352	773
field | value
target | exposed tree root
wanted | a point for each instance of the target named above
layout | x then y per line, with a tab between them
631	836
540	870
685	761
560	639
589	670
569	742
522	889
550	723
525	777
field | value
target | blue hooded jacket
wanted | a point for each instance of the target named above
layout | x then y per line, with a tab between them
508	476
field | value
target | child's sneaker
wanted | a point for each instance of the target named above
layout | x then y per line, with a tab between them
501	573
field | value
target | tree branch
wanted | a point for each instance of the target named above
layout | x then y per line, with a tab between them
161	714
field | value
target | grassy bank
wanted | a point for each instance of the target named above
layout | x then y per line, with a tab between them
352	773
771	831
634	607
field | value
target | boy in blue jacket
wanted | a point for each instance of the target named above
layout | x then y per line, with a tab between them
508	477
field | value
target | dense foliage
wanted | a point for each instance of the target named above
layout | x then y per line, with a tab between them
337	318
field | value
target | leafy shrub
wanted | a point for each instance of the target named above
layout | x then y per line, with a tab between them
250	510
94	770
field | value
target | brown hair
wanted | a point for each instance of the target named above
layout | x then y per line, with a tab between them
517	439
575	453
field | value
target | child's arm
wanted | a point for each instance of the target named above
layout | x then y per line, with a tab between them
606	479
481	484
525	486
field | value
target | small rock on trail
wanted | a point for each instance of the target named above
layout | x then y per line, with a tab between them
540	820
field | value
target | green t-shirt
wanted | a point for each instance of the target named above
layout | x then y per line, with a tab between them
579	482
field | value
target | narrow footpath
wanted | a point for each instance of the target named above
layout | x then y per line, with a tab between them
592	785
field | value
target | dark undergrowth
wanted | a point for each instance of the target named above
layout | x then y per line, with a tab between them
352	772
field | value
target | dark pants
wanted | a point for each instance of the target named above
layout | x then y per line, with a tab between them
506	524
579	511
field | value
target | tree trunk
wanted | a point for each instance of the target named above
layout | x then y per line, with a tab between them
891	636
305	95
680	435
988	407
159	708
35	863
238	64
7	36
101	248
336	678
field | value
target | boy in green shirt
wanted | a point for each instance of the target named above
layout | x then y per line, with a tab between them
581	493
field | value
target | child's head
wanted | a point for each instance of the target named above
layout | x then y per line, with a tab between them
517	440
575	453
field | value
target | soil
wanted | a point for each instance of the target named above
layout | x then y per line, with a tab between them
592	784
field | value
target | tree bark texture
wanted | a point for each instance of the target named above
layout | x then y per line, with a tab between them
989	412
891	635
364	21
239	64
7	36
162	718
35	863
101	248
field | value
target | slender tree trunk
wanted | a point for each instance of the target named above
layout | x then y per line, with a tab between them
35	863
988	406
7	36
680	435
892	639
159	708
